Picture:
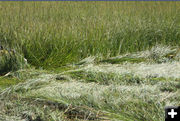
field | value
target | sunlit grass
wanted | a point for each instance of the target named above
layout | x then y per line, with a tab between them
52	34
95	90
89	60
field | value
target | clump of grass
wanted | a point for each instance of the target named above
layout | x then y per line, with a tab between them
10	61
161	53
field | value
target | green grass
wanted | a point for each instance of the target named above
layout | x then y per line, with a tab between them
89	60
106	78
7	82
124	59
52	34
11	61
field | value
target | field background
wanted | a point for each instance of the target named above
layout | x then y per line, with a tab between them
51	34
76	61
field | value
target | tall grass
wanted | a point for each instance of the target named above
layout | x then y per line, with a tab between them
52	34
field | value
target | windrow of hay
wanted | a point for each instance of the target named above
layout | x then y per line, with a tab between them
68	95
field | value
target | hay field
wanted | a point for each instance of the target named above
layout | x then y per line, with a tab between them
76	61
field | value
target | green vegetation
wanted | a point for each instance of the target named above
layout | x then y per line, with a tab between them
76	61
10	61
51	34
124	59
6	81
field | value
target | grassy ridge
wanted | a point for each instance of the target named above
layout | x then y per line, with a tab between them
52	34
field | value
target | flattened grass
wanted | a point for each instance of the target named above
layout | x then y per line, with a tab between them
89	95
124	59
